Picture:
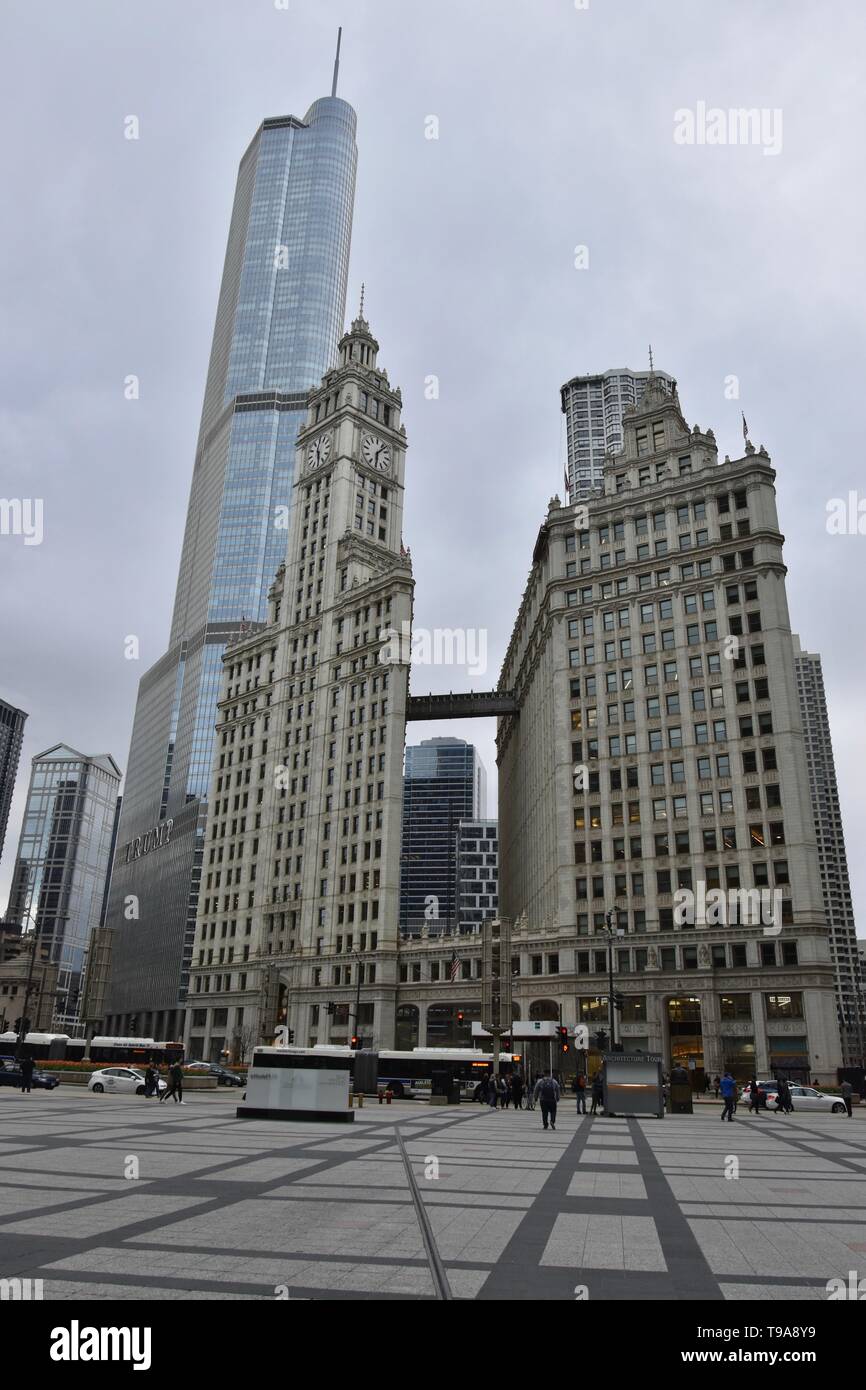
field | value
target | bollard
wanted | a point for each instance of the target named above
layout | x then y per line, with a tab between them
360	1100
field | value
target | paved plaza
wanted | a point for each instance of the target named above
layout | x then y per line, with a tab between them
414	1202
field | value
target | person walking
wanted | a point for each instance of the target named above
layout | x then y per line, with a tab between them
492	1091
783	1097
728	1088
175	1090
716	1084
517	1090
597	1093
504	1092
150	1080
847	1091
547	1094
27	1075
580	1090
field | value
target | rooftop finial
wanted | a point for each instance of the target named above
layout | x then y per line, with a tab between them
361	310
336	63
651	357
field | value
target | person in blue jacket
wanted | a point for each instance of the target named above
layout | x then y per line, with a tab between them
728	1088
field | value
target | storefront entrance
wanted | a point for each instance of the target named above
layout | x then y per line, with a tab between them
685	1035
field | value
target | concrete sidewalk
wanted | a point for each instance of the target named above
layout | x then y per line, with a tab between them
106	1197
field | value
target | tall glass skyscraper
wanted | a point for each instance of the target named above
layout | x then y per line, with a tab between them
444	783
11	736
280	314
64	854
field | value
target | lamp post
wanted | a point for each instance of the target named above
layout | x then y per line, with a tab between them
28	988
610	932
357	959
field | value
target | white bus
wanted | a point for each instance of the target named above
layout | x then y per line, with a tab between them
411	1073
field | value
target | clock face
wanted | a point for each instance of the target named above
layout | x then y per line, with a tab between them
318	452
376	453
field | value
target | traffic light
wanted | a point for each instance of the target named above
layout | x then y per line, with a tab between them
459	1015
563	1037
601	1040
357	1042
332	1008
618	1001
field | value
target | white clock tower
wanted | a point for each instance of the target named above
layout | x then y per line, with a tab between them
313	718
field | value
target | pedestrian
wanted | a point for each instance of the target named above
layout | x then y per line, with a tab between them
783	1097
492	1091
150	1080
728	1088
175	1090
597	1093
27	1074
707	1084
504	1092
517	1090
716	1084
580	1089
547	1094
847	1091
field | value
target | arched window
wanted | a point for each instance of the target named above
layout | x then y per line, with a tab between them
544	1010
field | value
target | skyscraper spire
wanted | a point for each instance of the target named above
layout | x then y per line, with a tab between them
336	63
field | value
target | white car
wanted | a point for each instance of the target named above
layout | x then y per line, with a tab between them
123	1079
807	1098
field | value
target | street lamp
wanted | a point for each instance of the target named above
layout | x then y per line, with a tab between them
610	931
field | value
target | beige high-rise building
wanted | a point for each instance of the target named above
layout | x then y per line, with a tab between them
658	752
299	898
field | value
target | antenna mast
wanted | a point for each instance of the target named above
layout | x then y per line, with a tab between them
336	63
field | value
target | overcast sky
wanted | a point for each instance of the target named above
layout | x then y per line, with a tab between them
556	129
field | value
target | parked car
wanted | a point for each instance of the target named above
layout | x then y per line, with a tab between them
802	1097
223	1076
770	1088
125	1080
808	1098
10	1075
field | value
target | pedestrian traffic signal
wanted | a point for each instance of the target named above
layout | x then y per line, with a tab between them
601	1040
459	1015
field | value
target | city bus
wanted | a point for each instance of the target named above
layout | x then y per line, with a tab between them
411	1073
59	1047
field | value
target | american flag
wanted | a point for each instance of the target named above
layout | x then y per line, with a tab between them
745	429
454	968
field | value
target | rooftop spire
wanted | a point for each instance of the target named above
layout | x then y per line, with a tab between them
652	368
336	63
361	310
